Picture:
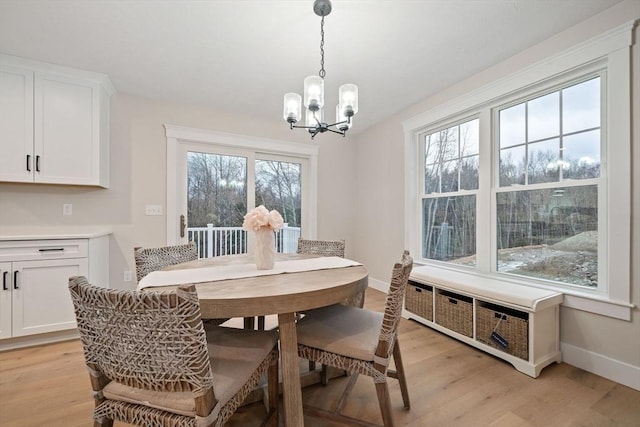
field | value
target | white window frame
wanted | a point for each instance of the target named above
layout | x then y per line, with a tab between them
609	52
180	137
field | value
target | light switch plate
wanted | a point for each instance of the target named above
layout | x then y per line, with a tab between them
153	210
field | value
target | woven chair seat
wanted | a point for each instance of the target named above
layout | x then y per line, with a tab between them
348	331
238	353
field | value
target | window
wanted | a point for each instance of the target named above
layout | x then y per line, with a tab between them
546	208
449	202
545	199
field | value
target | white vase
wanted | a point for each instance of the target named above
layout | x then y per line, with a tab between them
265	253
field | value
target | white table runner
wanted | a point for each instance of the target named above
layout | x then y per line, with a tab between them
239	271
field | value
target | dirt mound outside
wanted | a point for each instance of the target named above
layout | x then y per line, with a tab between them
586	241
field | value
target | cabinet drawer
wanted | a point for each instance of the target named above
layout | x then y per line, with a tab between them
27	250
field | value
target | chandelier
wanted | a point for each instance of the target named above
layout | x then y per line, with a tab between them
314	94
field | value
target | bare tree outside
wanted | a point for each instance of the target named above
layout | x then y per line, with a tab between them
217	190
278	186
217	197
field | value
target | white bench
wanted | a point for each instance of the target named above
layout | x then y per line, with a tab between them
517	323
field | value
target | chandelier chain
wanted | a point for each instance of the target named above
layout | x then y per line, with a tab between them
322	72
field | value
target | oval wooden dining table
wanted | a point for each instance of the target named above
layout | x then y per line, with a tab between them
281	294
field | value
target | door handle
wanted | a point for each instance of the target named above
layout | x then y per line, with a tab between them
28	162
4	280
15	279
183	225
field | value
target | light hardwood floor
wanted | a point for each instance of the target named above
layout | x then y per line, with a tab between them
450	384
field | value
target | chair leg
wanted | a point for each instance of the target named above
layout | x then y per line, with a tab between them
324	376
249	322
261	323
385	404
397	358
312	366
274	394
104	422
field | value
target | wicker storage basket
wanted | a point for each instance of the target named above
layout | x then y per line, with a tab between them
419	300
512	327
455	312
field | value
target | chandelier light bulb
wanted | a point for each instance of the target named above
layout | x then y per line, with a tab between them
348	99
292	107
344	122
314	93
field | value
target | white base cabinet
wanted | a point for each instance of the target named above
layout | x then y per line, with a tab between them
34	298
519	324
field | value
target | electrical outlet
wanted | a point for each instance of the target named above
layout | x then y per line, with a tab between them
67	209
153	209
128	276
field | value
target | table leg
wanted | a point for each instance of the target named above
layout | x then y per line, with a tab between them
292	394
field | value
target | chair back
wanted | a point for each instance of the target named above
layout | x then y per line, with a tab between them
152	259
321	247
393	306
148	340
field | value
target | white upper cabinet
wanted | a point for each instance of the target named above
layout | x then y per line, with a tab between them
54	124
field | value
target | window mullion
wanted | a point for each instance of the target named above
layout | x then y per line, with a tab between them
485	216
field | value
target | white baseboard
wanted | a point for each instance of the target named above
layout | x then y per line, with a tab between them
378	285
38	339
595	363
604	366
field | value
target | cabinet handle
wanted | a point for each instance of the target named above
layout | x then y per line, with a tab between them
37	163
15	280
51	250
28	162
4	280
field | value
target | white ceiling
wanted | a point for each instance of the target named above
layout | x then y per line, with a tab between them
243	55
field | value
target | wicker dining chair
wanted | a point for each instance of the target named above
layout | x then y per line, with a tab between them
328	248
360	341
152	259
151	361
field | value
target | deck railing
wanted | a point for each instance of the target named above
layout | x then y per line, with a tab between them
216	241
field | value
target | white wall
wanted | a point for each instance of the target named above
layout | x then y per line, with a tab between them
599	344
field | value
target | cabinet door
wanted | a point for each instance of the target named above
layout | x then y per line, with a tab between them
41	300
66	148
16	124
5	299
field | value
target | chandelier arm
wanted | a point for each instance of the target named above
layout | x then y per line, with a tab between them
343	133
339	123
303	127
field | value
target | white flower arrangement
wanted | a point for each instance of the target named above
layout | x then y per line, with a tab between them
260	217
